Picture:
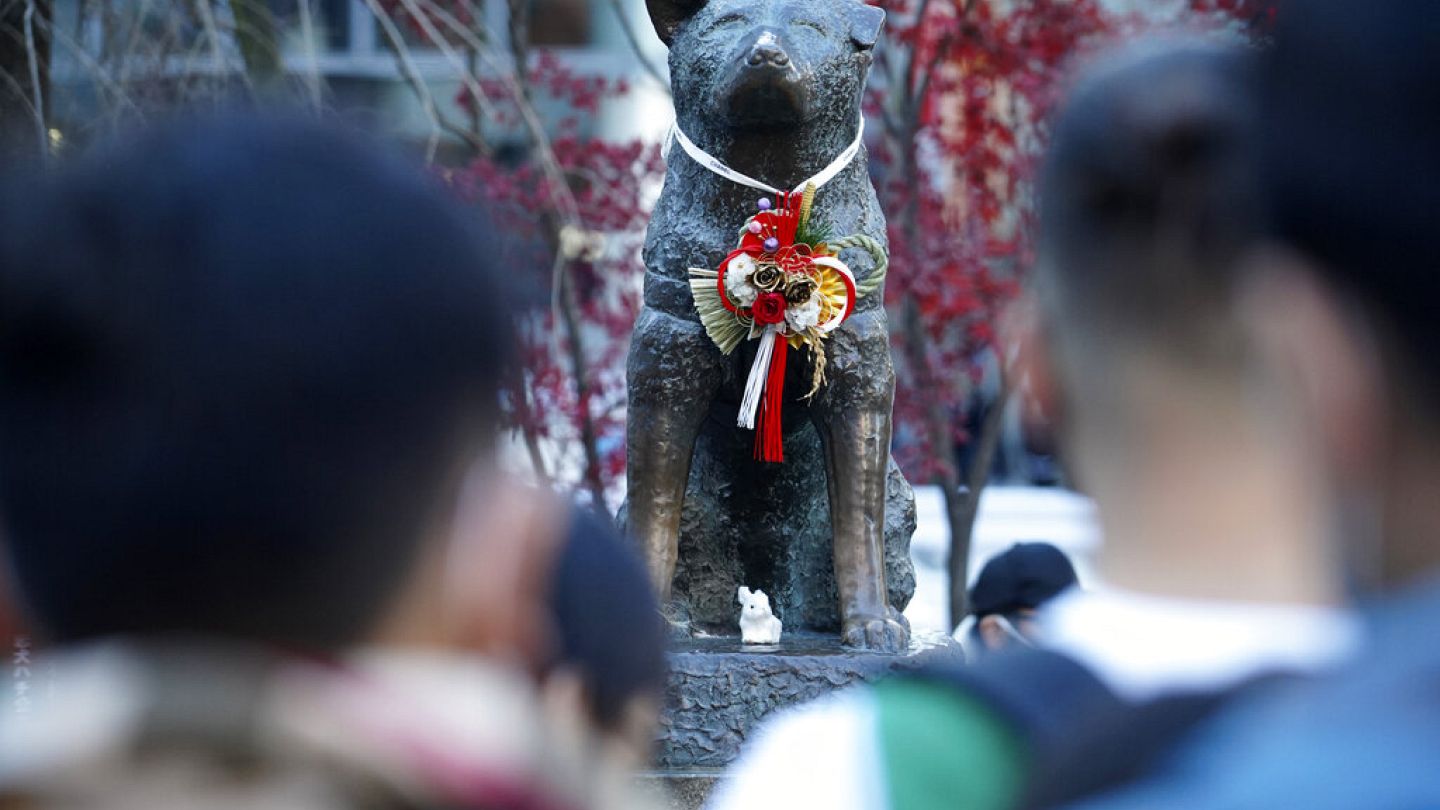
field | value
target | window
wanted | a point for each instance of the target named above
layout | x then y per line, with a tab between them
560	22
330	18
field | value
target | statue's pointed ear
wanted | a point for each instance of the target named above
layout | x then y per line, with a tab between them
865	22
743	594
668	15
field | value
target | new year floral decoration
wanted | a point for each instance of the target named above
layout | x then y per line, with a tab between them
785	286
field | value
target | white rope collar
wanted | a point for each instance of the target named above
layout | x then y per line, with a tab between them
718	166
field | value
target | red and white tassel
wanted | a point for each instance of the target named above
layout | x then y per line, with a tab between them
764	396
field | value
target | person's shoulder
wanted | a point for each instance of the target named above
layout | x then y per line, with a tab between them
953	732
942	745
1298	750
1366	735
903	744
1038	694
971	736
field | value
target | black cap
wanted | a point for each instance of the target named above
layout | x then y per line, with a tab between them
1026	575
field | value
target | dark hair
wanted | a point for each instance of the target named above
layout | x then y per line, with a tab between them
607	618
239	362
1148	200
1350	157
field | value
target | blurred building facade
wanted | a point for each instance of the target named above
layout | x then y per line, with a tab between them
116	57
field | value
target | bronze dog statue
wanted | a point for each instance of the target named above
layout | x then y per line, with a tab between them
772	89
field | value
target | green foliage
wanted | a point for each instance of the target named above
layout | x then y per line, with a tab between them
813	233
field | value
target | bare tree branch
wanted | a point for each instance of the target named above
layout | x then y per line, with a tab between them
650	69
940	51
131	45
563	293
909	70
564	215
257	38
411	74
525	418
17	88
312	63
458	61
96	70
962	524
515	84
32	57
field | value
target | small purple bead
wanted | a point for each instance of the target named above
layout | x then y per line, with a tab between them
753	227
763	204
772	244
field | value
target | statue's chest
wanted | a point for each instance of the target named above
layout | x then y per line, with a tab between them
688	229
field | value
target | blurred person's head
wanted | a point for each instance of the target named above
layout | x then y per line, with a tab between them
608	661
244	367
1010	590
1148	205
1342	299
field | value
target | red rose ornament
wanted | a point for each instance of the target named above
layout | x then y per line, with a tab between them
768	308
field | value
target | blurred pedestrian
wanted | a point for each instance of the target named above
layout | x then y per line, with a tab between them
1010	591
247	369
1340	302
607	669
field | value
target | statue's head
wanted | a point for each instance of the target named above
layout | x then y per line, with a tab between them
760	64
754	604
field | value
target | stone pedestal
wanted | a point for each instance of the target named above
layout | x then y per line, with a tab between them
720	690
671	790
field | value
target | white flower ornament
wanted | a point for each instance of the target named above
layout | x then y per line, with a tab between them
803	316
737	280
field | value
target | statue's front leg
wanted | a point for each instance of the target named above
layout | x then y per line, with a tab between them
674	373
853	417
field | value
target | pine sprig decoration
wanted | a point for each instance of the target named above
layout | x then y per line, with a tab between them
813	234
806	231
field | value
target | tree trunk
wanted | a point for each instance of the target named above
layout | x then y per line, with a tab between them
566	303
259	43
962	508
961	504
570	310
24	80
525	417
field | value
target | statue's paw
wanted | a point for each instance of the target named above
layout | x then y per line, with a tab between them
677	622
868	632
900	617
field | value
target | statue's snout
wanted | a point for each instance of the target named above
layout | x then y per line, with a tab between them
768	52
765	86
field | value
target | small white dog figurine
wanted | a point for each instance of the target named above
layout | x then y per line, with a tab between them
757	624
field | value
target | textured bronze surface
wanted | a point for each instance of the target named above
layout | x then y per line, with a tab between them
772	88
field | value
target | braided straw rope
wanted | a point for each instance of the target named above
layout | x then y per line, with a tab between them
876	276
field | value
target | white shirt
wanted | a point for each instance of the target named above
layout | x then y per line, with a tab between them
821	754
1141	645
